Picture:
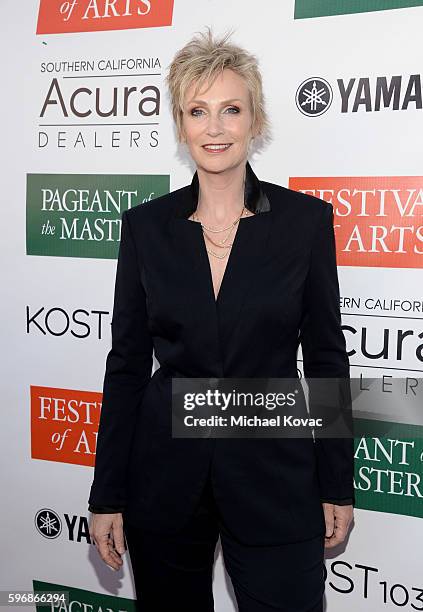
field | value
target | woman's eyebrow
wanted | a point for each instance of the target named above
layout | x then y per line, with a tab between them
223	101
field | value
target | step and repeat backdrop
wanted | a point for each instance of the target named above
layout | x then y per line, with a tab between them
88	134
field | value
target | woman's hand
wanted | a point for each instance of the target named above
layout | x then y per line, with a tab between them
106	530
338	520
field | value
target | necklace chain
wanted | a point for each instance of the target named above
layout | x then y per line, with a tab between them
214	230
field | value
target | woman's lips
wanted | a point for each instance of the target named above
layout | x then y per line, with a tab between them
217	148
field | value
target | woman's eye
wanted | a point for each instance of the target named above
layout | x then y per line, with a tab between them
197	112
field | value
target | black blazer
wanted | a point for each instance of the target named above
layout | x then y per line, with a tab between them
280	288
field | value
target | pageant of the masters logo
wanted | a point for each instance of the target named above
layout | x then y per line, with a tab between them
81	599
79	215
389	468
58	16
322	8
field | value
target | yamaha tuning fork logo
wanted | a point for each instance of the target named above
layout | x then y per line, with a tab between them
314	97
48	523
365	94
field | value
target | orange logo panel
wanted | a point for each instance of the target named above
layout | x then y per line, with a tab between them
64	424
378	221
58	16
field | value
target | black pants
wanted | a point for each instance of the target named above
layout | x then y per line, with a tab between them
174	573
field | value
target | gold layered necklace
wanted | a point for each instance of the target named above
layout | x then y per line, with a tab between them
222	243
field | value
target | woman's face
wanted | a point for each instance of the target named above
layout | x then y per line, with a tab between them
217	123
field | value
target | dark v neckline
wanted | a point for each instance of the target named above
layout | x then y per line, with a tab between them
231	257
220	312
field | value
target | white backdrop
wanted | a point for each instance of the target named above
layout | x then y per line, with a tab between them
352	144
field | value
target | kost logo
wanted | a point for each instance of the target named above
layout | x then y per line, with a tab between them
64	424
377	220
57	16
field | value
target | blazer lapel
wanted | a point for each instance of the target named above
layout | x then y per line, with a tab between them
243	265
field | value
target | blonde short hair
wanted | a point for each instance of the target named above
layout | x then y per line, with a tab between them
202	59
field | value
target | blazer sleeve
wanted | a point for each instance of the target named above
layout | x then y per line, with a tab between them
324	356
127	373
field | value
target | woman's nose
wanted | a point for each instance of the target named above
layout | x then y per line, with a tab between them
214	125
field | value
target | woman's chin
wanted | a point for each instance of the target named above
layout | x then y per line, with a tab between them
220	163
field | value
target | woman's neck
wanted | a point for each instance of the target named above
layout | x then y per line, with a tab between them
221	195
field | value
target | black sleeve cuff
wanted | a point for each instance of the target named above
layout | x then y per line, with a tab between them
105	509
348	501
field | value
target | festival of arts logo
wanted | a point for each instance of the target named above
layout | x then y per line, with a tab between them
377	220
58	16
322	8
79	215
64	424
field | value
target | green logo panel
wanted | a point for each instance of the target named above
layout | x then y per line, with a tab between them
322	8
389	467
79	215
80	599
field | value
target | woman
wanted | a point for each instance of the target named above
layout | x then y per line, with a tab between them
223	277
